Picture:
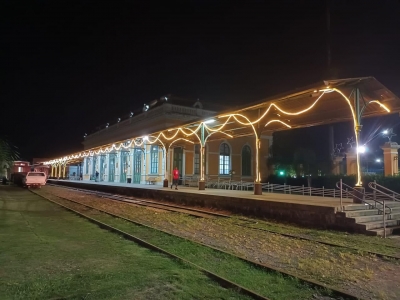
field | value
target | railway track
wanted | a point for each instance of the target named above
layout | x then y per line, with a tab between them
337	293
244	222
148	203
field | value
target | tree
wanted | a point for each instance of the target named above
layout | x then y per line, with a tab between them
8	153
305	161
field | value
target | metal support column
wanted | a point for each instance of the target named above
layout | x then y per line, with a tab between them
357	130
64	167
257	183
166	163
202	182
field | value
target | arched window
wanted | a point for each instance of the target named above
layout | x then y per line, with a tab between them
224	159
154	159
87	163
246	161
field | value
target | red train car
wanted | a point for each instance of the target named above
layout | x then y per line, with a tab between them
20	167
18	170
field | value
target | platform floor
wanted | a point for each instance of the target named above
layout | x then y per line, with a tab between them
266	196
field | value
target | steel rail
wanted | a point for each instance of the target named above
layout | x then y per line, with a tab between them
144	202
221	280
123	198
380	255
337	292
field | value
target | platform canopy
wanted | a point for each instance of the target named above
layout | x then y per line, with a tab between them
326	102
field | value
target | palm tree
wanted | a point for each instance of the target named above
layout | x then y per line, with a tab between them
8	154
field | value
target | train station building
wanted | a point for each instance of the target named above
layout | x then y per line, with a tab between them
208	143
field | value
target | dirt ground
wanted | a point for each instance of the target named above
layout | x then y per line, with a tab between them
360	274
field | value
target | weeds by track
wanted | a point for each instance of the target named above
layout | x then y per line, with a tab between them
242	222
338	294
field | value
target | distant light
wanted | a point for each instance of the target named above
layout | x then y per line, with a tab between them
361	149
146	138
166	98
108	124
209	121
131	115
378	160
119	120
385	131
281	172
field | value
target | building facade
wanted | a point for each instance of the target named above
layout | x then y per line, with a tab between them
137	157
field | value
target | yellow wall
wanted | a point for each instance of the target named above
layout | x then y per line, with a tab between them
236	146
189	162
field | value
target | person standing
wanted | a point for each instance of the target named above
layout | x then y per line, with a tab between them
175	178
97	176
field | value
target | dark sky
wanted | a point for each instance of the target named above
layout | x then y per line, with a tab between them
69	66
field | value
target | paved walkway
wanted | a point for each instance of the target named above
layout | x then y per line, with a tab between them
276	197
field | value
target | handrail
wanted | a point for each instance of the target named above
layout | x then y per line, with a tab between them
374	186
340	185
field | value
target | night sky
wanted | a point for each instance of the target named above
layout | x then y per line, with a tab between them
69	66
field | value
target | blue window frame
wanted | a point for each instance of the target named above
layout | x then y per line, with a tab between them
154	159
224	159
87	161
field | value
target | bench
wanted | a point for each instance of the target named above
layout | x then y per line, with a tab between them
190	180
152	179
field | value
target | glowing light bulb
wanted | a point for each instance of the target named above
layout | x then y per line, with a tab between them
361	149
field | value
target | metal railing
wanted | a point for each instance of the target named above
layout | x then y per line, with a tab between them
383	191
302	190
365	198
223	183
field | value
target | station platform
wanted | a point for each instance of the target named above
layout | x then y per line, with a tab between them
310	211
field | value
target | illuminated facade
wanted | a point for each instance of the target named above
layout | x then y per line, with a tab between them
148	159
233	145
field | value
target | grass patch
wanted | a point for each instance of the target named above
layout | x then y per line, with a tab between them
360	241
267	283
355	271
48	253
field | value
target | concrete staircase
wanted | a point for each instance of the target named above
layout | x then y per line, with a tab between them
363	218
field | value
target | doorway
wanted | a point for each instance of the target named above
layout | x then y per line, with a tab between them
124	165
111	172
178	161
137	165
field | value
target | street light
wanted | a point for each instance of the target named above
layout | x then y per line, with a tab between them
361	149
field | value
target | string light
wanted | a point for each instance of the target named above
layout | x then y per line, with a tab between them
187	132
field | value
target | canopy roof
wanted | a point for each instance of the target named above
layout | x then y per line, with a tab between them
326	102
318	104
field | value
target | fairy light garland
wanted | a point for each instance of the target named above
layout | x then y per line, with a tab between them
139	141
